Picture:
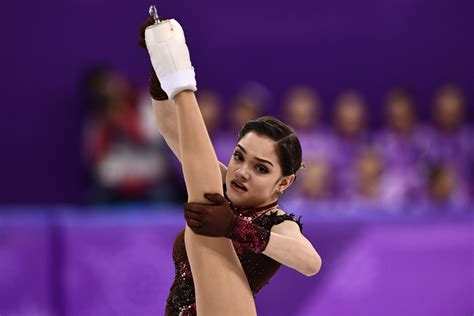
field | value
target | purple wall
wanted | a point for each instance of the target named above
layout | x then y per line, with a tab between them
332	45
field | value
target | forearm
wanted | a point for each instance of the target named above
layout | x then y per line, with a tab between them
167	123
293	253
199	161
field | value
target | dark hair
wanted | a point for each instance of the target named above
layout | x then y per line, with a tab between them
288	147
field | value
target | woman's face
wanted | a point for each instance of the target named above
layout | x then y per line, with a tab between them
255	167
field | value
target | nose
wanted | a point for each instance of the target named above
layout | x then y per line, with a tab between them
242	174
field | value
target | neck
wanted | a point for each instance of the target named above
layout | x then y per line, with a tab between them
249	209
253	210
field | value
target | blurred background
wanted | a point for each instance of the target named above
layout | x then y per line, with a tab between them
380	94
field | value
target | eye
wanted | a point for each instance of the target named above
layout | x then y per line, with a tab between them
262	169
237	156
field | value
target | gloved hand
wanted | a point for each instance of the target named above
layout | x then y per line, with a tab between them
156	91
170	58
218	220
215	220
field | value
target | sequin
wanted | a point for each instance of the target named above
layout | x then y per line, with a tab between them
250	235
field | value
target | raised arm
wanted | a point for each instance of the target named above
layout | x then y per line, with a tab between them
220	283
167	123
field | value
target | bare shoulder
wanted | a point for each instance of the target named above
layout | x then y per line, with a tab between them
287	227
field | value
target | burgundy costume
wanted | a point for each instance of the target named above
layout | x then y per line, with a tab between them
249	238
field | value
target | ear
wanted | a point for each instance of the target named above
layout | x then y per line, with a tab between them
285	182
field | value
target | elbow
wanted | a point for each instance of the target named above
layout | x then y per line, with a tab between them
312	266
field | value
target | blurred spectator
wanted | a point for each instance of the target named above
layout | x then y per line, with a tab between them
368	172
401	144
249	104
244	109
315	180
448	108
350	115
210	106
372	189
350	137
400	112
302	111
441	183
122	147
311	190
451	141
445	192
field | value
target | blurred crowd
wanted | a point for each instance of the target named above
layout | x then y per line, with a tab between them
406	161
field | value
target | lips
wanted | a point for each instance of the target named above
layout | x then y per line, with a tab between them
238	186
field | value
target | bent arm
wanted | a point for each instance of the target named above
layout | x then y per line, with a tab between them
167	123
289	247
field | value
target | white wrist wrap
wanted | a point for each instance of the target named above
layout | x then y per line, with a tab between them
170	57
178	81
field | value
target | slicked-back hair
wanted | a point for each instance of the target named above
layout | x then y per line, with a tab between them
287	144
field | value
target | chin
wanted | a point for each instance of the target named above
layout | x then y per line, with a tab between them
236	200
233	198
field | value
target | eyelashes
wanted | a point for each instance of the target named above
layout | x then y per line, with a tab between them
237	155
262	169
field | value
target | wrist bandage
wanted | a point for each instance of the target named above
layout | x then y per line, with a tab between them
170	57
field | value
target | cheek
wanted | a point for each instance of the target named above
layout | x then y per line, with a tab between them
230	173
231	166
263	185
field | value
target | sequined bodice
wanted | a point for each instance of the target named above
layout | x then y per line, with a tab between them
258	268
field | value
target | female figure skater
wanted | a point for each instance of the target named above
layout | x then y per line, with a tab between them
210	278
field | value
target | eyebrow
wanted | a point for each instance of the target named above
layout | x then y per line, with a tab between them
259	159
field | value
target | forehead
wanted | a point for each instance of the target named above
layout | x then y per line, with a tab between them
259	146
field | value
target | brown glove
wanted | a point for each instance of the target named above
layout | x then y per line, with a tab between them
215	220
218	220
155	87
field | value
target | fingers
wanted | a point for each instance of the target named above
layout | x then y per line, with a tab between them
194	219
149	21
193	215
200	231
141	42
195	229
215	198
192	223
141	31
196	207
